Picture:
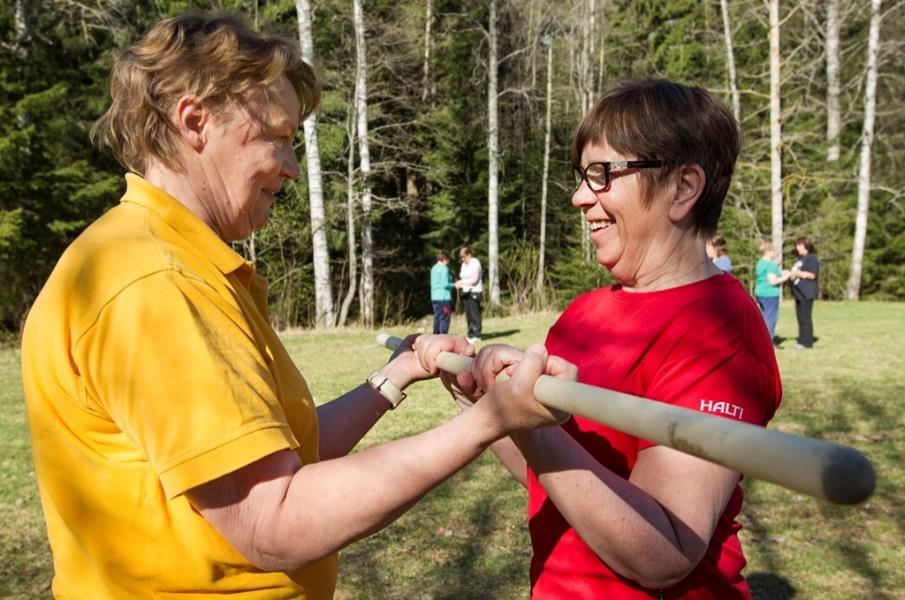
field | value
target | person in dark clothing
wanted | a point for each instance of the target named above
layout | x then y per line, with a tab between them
804	289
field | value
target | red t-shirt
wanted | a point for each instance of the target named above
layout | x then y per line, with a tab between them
702	346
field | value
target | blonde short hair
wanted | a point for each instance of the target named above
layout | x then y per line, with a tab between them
765	246
215	57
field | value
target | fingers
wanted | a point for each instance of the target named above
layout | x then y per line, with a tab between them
493	360
561	368
429	347
406	346
532	365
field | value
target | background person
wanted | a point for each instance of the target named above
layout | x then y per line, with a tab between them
441	295
717	250
804	276
471	283
177	448
611	515
769	278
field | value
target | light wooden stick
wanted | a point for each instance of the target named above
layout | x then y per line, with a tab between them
822	469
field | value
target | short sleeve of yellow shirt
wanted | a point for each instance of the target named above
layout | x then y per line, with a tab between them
174	369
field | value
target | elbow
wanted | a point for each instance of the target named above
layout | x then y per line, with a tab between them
658	574
662	580
276	559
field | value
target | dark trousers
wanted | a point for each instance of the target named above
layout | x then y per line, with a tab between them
442	311
472	302
803	309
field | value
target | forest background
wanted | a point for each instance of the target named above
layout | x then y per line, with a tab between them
433	133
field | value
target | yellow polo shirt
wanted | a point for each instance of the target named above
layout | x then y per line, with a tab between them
150	367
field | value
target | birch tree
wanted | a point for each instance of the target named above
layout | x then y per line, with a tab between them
321	257
547	41
833	113
425	71
730	62
775	132
867	138
493	254
366	293
351	243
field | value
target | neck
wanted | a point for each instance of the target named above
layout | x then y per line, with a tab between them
181	187
684	262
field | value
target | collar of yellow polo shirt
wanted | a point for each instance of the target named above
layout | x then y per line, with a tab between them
150	367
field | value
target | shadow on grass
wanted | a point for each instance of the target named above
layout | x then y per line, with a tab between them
767	586
455	543
499	334
866	416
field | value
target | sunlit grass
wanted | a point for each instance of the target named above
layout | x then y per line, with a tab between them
468	538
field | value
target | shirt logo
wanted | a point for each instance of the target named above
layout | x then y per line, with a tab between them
724	408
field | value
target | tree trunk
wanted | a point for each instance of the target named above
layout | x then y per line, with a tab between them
730	62
833	113
350	217
22	24
541	250
775	133
323	295
425	77
867	139
493	258
364	156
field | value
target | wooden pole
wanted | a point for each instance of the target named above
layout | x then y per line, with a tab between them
821	469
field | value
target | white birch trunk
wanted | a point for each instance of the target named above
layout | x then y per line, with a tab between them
833	87
425	77
350	218
730	62
584	68
775	133
867	139
493	258
21	22
366	298
542	245
323	294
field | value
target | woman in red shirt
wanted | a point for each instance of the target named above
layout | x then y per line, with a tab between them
611	515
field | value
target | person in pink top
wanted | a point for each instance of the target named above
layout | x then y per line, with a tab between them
611	515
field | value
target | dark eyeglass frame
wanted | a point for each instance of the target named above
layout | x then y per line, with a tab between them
608	168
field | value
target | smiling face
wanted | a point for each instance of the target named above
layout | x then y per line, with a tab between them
247	155
628	232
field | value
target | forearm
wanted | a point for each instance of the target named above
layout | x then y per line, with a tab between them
620	522
511	458
330	504
344	421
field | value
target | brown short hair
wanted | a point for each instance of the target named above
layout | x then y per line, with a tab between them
655	119
719	245
214	56
765	246
806	242
442	255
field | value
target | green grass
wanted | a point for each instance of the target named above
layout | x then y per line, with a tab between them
468	539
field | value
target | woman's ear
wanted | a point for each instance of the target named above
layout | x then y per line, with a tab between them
191	117
690	180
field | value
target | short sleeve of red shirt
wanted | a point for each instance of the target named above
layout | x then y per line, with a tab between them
731	383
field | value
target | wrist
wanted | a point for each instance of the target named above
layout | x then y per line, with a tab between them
395	374
381	384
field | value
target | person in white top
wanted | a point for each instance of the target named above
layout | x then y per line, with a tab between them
470	282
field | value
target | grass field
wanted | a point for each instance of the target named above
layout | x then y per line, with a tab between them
468	538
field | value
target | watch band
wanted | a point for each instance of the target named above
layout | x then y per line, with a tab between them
386	388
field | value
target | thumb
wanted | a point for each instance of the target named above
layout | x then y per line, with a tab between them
529	368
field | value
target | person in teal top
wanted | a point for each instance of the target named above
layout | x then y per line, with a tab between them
766	289
441	292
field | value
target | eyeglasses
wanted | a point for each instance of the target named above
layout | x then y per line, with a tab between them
598	174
